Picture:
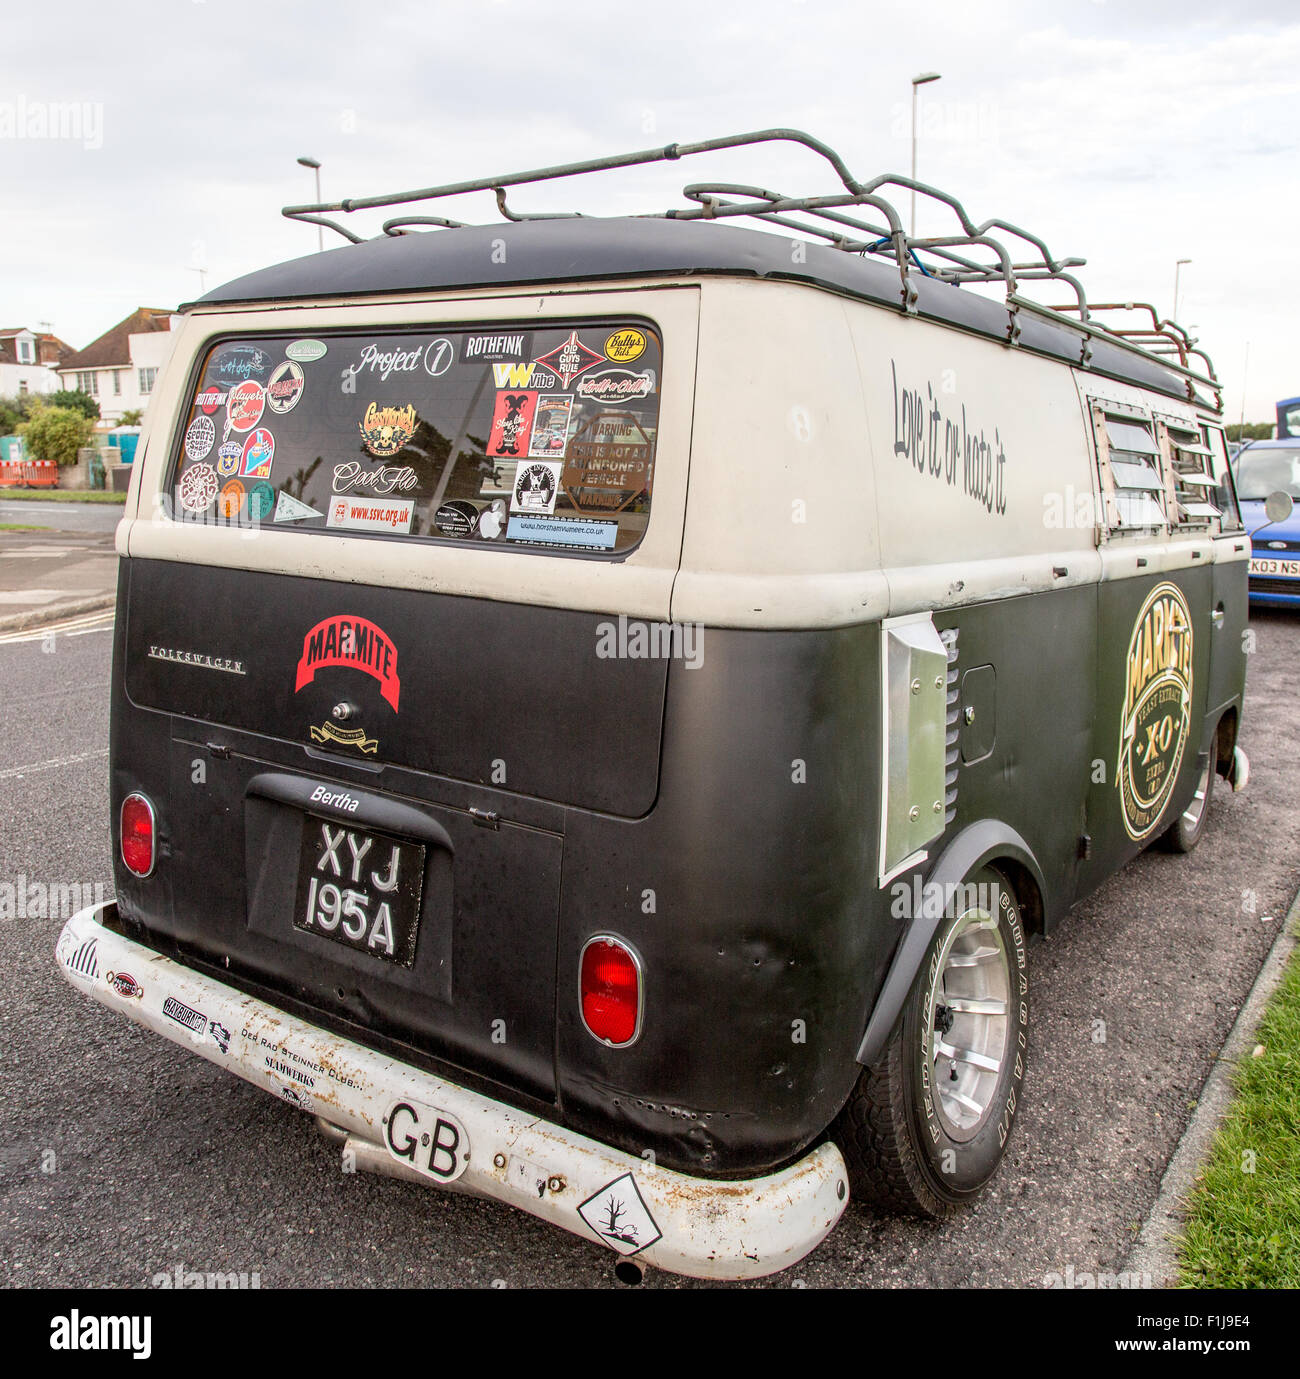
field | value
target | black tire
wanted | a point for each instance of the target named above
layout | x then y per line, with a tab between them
903	1151
1186	830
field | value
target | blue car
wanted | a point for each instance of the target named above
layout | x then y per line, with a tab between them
1261	468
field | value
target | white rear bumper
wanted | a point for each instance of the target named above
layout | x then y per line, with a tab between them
431	1129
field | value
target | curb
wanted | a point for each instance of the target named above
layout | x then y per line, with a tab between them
1154	1252
56	612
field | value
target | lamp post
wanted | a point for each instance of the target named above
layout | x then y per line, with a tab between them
919	80
315	166
1178	268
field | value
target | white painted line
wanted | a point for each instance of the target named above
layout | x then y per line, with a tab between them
52	764
80	626
31	595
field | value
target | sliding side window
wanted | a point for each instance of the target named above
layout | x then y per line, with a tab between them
1129	465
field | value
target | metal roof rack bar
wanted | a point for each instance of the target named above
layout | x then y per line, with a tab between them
937	256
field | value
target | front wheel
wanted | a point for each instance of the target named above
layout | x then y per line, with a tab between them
1185	832
926	1127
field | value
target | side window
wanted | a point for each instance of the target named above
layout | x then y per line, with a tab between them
1129	465
1224	494
1189	472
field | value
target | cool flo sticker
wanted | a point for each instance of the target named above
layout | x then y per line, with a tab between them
1157	709
198	487
284	388
536	484
200	438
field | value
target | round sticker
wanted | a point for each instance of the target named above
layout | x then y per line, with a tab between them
456	518
624	346
200	438
438	356
244	405
198	487
1156	722
259	451
231	500
305	350
228	458
284	388
492	520
210	399
261	499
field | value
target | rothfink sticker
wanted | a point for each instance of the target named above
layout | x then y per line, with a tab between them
619	1216
1157	709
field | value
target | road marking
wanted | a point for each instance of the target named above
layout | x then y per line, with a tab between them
31	595
39	552
79	626
52	764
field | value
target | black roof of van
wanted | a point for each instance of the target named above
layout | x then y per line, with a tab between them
598	249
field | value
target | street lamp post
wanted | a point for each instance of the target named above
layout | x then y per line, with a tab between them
315	166
1178	268
919	80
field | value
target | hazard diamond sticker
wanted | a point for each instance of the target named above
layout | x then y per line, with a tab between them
570	359
619	1216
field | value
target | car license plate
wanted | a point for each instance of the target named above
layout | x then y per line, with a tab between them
1268	566
361	889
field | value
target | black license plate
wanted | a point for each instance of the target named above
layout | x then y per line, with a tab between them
361	889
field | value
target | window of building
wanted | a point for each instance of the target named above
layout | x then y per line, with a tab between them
88	383
117	382
24	352
147	377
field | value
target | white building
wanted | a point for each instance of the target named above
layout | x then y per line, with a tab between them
121	368
29	361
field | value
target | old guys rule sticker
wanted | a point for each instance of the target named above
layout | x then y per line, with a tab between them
353	642
1157	708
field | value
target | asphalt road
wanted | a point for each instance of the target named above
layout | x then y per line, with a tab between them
122	1156
90	517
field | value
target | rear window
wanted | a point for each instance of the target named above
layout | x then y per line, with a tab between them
506	436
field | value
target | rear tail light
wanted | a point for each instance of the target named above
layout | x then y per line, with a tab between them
138	835
610	989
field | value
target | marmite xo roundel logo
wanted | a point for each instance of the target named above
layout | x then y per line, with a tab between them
1157	709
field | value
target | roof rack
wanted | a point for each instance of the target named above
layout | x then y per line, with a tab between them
972	255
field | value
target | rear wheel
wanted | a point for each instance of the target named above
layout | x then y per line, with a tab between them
926	1127
1185	832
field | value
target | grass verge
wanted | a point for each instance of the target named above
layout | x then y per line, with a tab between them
60	495
1243	1219
21	526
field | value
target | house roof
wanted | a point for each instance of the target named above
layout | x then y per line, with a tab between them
112	349
49	348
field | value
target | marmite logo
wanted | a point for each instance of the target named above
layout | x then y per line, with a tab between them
1157	709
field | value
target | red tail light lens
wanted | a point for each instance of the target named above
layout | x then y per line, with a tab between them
137	834
610	986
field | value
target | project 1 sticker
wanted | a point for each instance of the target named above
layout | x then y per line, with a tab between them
551	425
1157	709
259	451
456	518
512	420
261	499
210	399
386	430
231	500
228	458
291	509
304	351
624	346
200	438
244	406
536	484
198	487
570	359
619	1216
285	387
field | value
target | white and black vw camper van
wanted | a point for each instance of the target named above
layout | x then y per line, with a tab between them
598	704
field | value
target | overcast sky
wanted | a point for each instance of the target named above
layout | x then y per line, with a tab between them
1131	134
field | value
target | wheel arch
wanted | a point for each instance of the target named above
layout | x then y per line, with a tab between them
989	842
